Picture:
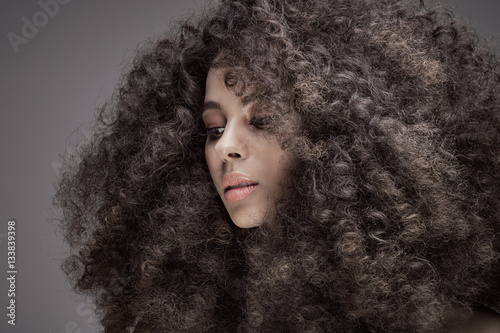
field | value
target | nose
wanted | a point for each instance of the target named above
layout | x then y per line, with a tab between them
232	144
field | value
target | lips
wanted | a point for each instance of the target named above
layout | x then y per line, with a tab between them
237	187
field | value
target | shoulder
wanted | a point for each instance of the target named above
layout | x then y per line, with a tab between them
483	321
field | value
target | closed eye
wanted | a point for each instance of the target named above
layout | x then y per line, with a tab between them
214	132
260	122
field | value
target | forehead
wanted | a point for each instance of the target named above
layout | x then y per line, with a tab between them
214	82
216	91
217	96
229	85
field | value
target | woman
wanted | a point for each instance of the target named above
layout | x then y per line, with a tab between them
295	166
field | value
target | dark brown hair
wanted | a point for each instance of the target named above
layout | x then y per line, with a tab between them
393	209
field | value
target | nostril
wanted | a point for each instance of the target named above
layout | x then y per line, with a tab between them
234	155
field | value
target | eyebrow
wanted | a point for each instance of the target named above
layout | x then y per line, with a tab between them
216	106
210	105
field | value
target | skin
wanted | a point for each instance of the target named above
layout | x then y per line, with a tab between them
483	321
237	144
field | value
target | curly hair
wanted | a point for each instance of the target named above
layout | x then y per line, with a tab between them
392	111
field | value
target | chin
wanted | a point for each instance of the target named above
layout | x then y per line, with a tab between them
246	223
247	220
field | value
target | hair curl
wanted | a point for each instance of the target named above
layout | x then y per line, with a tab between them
391	220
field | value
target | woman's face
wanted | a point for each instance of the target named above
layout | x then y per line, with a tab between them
247	166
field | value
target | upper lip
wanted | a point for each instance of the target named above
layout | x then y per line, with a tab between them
234	179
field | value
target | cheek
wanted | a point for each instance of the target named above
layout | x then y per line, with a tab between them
211	159
284	166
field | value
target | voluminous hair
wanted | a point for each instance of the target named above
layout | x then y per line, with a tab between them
391	218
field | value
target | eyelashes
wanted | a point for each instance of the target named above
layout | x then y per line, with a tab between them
213	132
260	122
216	132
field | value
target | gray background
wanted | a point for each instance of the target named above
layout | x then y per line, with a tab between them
50	88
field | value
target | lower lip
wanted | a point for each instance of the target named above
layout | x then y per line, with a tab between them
239	193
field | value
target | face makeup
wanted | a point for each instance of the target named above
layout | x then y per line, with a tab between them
248	167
